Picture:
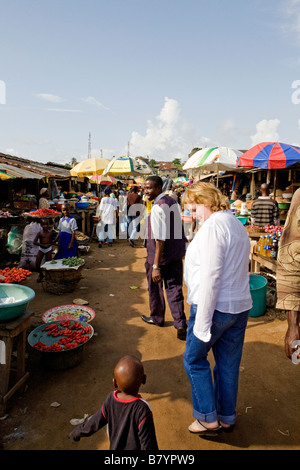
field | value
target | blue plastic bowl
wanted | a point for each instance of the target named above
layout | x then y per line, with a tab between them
22	294
242	219
82	205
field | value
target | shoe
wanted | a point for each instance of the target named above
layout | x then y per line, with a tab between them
147	319
99	245
150	321
181	333
131	243
201	430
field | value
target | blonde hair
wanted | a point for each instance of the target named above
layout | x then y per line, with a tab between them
208	194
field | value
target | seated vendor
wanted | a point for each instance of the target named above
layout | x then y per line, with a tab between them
265	210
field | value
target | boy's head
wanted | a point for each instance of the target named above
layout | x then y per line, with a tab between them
45	224
129	375
66	208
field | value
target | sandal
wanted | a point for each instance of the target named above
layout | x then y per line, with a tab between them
198	428
228	428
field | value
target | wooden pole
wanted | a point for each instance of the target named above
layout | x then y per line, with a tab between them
275	182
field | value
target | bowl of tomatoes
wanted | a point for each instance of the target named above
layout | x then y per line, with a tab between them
14	300
61	343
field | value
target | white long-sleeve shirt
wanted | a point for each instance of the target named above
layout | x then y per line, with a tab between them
217	270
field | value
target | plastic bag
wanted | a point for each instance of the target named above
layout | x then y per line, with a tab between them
14	240
29	250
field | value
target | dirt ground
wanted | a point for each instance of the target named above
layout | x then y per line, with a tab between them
268	403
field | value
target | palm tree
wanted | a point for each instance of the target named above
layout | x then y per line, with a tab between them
152	163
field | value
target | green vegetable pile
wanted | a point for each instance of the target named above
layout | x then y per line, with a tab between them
73	261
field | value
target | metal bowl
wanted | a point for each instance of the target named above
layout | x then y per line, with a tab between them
57	360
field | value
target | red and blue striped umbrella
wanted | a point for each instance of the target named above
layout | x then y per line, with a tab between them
270	155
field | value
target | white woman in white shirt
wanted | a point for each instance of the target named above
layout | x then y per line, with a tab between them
217	279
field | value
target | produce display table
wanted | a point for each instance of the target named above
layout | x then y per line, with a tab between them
9	331
258	260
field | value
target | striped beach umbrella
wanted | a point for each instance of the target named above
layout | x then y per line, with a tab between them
270	156
216	159
128	166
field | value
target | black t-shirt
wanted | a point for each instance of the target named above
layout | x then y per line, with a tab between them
130	424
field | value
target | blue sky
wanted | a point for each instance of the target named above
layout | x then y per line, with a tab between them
164	76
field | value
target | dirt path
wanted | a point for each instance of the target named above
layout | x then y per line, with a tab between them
268	403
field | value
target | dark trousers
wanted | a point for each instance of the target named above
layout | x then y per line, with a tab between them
172	275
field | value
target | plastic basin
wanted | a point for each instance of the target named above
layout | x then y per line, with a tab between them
258	290
242	219
82	205
283	205
22	294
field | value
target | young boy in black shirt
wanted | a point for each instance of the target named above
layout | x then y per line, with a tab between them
127	414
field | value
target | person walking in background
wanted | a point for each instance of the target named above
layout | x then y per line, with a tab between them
265	210
122	211
133	217
166	244
127	414
288	273
217	279
106	211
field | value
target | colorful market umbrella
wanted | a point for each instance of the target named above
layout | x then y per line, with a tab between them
6	176
270	155
102	179
89	167
214	159
139	180
129	166
181	180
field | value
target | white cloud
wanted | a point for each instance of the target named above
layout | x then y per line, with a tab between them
91	100
289	19
168	137
49	97
266	131
64	110
12	152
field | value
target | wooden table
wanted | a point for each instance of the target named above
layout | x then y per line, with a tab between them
258	260
14	329
86	219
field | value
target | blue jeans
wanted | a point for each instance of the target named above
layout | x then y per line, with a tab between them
215	400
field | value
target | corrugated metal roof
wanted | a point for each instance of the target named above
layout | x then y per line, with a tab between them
19	172
22	168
